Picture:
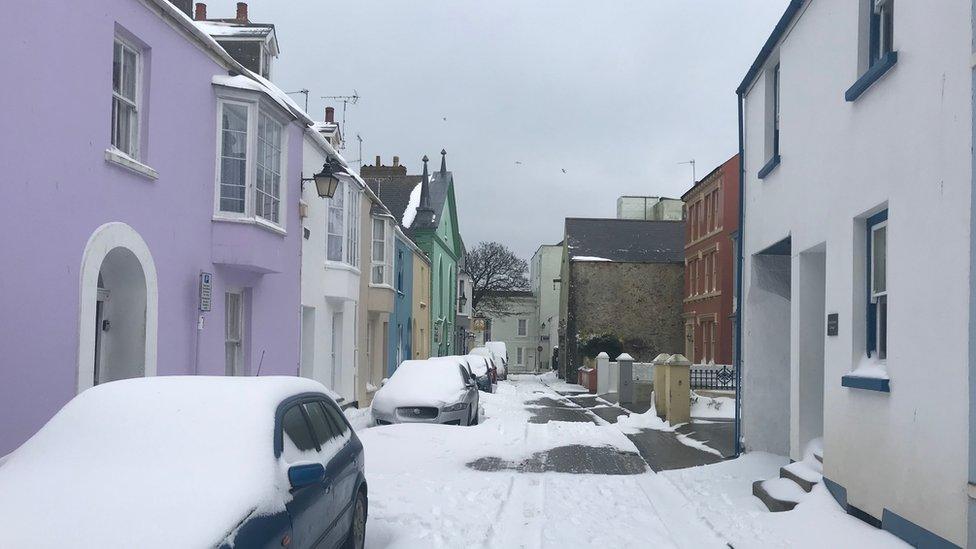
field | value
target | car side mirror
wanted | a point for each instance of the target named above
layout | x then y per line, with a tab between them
305	474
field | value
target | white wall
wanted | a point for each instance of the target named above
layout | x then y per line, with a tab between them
326	290
545	267
904	144
505	328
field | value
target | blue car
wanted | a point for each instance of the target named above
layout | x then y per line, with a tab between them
189	461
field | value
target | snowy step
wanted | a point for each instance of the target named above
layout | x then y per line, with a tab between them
778	494
802	474
818	453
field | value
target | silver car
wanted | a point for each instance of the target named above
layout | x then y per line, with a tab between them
437	390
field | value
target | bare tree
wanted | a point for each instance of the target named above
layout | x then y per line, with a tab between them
494	268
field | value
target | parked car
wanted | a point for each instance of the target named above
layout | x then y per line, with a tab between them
500	350
492	361
436	390
480	369
189	461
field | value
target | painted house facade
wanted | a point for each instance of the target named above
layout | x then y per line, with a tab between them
544	281
517	328
331	270
176	248
401	339
712	207
853	199
428	215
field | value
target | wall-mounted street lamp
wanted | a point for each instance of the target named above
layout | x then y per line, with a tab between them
463	301
327	181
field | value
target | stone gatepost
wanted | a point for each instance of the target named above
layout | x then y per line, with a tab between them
678	382
602	374
625	390
660	384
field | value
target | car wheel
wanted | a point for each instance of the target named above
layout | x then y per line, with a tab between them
357	530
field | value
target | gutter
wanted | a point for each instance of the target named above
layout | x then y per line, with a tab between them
737	359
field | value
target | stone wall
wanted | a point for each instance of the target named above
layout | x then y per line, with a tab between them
641	303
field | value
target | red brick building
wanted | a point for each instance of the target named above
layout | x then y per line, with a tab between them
712	214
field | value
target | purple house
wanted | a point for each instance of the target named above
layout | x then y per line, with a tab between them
151	188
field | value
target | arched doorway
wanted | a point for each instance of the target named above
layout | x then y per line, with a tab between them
118	309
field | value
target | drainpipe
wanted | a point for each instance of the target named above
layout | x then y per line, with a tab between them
738	280
971	488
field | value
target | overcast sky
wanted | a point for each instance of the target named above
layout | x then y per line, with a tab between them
547	108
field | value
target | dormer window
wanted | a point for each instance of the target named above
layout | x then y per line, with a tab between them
265	63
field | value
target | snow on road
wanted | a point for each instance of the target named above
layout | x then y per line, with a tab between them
423	493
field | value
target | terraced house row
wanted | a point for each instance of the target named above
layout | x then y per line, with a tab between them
204	223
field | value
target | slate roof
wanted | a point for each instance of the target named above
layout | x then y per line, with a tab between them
626	240
395	192
232	28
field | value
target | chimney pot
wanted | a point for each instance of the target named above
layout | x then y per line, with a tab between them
242	12
378	160
201	12
396	161
329	114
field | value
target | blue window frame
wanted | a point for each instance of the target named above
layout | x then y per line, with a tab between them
877	285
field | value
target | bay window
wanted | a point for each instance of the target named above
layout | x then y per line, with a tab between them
342	228
381	272
251	179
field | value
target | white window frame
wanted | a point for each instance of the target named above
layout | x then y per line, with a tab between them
385	263
137	103
255	109
353	216
522	327
879	299
342	229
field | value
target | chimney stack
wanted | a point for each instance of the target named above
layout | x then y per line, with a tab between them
378	161
242	12
396	161
329	114
201	12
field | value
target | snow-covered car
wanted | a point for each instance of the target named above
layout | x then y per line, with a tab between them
494	363
480	369
500	350
436	390
189	461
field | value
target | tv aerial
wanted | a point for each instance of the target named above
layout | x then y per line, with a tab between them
346	101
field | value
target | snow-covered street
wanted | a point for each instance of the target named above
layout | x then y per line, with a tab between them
521	480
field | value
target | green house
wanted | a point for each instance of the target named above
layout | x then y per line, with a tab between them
426	208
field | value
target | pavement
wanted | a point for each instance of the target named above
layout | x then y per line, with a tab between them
661	450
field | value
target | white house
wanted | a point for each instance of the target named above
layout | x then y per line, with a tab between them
518	327
857	125
331	271
544	281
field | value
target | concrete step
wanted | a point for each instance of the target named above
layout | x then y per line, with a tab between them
803	476
778	494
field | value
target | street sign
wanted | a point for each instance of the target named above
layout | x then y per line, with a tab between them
832	324
206	292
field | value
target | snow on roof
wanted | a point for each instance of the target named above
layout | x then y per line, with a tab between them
221	29
410	212
589	258
431	382
173	461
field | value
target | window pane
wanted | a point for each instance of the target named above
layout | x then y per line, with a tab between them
879	252
335	248
377	251
337	420
267	188
128	74
234	118
320	424
377	277
296	430
117	68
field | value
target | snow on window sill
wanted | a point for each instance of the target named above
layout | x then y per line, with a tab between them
870	374
340	266
257	221
119	158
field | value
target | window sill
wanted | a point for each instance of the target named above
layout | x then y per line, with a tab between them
871	76
338	266
769	167
266	225
381	286
881	385
119	158
699	297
